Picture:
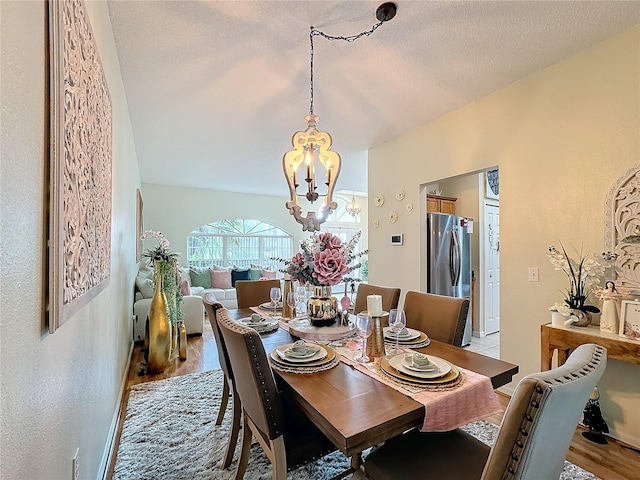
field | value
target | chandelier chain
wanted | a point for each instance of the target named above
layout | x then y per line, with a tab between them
350	38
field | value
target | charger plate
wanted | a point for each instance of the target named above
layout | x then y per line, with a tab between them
397	362
327	363
268	306
260	327
330	355
449	377
319	354
411	336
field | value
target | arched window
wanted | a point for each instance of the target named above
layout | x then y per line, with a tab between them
237	242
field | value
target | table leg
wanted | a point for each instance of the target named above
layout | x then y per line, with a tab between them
546	352
356	461
563	353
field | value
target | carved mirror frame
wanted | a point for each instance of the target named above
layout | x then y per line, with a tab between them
622	220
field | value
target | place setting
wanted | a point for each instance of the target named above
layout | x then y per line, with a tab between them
419	369
303	357
259	323
398	334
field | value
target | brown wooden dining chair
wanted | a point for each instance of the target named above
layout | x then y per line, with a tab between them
390	297
287	436
442	318
532	441
251	293
228	387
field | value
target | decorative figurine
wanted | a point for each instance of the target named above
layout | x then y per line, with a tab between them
610	303
593	419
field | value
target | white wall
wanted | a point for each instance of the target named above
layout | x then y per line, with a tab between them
177	211
57	392
561	138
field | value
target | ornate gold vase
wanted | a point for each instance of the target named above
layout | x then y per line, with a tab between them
158	329
322	308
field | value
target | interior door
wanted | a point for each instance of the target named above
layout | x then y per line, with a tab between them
492	268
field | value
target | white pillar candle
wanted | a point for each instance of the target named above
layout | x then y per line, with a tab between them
374	305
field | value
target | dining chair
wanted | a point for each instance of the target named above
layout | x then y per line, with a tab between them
287	436
532	440
228	387
390	297
251	293
442	318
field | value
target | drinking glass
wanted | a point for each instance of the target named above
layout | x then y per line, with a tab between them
397	322
291	301
275	294
301	295
364	328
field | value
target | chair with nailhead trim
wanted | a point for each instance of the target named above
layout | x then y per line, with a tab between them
287	436
532	442
212	306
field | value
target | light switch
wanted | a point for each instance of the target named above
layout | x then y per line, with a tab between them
533	274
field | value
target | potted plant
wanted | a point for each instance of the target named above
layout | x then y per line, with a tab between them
583	275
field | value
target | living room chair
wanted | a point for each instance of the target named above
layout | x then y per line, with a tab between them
532	441
287	436
251	293
442	318
228	386
390	297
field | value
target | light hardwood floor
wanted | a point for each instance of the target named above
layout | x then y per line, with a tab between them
614	461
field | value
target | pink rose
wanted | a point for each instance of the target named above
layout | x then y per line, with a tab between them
329	267
330	241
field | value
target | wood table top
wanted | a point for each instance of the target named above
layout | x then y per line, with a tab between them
357	411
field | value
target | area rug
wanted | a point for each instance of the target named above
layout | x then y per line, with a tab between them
170	433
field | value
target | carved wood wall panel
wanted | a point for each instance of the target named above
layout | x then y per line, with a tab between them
81	159
622	219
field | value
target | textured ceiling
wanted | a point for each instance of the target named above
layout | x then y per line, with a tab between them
216	89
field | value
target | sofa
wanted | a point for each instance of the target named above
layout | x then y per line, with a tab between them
192	306
221	281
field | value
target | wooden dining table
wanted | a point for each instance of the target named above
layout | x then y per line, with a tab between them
356	411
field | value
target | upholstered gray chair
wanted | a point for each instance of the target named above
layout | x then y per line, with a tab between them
251	293
287	436
228	388
442	318
532	441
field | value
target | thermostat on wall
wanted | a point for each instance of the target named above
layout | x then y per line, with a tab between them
397	239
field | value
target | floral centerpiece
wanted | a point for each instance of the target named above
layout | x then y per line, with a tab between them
583	275
166	261
324	261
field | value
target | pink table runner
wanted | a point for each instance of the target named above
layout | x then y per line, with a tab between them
445	410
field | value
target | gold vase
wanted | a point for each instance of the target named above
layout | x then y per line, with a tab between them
322	308
159	328
183	341
287	311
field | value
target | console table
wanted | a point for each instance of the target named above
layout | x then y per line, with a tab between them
564	339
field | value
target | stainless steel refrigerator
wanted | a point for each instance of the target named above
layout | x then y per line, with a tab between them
449	260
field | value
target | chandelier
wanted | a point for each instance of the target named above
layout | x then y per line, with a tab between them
312	148
353	208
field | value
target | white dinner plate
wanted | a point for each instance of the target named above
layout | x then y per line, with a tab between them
270	306
319	355
410	335
397	362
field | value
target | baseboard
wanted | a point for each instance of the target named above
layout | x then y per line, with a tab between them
109	451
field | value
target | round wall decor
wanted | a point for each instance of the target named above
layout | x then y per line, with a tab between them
400	195
393	216
379	200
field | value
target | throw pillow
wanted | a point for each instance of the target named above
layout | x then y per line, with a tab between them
200	277
238	275
221	279
185	289
145	282
255	273
269	274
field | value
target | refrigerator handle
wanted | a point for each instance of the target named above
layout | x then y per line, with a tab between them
454	258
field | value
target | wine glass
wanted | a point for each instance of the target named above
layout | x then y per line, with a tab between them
364	328
291	301
275	294
301	296
397	322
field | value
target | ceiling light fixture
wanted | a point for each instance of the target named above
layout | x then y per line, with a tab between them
353	208
313	148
